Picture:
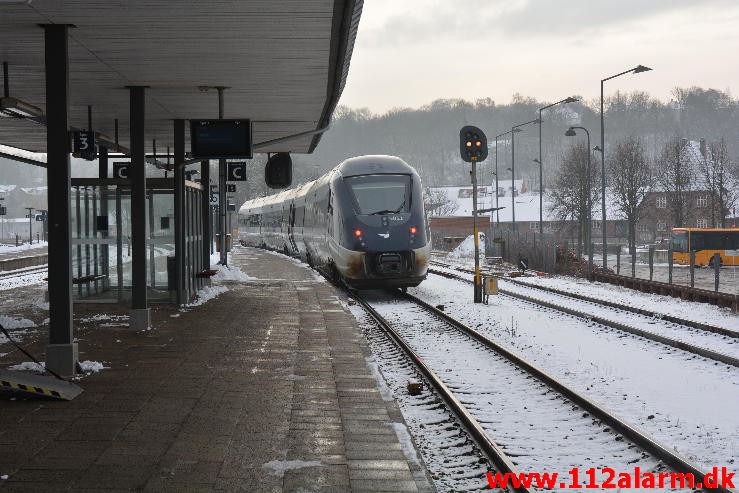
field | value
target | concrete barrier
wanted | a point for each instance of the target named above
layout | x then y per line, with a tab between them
21	262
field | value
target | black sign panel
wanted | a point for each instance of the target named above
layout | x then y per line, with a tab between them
164	222
236	171
214	139
101	223
230	187
120	170
3	211
84	145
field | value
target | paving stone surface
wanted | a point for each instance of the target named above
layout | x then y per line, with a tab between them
263	388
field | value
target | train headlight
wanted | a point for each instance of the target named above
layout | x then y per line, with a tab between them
358	233
414	230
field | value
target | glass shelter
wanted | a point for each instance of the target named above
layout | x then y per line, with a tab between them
101	240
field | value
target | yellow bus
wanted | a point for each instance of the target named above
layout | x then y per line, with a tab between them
706	242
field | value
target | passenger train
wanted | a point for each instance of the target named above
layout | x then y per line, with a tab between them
362	222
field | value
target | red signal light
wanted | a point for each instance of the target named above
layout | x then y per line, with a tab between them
413	230
358	233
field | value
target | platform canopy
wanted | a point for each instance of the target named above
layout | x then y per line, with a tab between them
284	62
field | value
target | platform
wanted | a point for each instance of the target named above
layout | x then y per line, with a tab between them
263	388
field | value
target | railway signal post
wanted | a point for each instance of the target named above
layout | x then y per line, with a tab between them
473	147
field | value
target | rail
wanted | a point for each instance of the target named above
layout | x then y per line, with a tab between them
649	444
489	447
700	351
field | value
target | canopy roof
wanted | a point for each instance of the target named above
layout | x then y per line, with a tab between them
284	62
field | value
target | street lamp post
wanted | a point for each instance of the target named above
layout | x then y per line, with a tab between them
30	224
636	70
497	214
514	128
541	160
571	133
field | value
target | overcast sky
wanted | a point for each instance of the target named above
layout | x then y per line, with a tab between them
410	52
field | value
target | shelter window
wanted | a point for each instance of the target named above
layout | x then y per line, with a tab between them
380	194
661	201
661	226
701	223
702	202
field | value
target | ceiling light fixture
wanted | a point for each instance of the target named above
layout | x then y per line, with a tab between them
15	108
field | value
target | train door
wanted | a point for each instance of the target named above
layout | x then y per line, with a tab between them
291	228
330	214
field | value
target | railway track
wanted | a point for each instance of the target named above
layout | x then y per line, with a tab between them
670	318
718	344
521	417
22	272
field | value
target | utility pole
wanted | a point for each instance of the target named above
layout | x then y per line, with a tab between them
30	224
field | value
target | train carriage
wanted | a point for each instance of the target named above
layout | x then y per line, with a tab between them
363	222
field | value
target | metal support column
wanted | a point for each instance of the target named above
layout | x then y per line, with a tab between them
61	353
222	207
477	293
104	195
205	182
179	209
140	313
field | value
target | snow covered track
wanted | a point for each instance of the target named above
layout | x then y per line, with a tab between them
715	345
538	422
633	309
22	272
494	453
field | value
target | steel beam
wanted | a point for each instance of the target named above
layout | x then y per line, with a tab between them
61	353
179	209
205	182
139	318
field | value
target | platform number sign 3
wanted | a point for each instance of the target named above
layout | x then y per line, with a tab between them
84	145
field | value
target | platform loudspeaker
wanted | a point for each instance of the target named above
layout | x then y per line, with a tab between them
278	172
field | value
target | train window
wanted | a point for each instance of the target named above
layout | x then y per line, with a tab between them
380	194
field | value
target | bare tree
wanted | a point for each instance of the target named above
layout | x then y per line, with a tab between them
569	193
715	167
675	175
631	179
437	203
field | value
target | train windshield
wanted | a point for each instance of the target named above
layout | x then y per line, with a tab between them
380	194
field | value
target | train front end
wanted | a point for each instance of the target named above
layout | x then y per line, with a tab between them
384	239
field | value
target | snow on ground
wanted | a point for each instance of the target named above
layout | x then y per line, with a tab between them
685	401
22	248
206	294
279	467
231	273
29	366
14	326
88	366
25	280
467	247
689	310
